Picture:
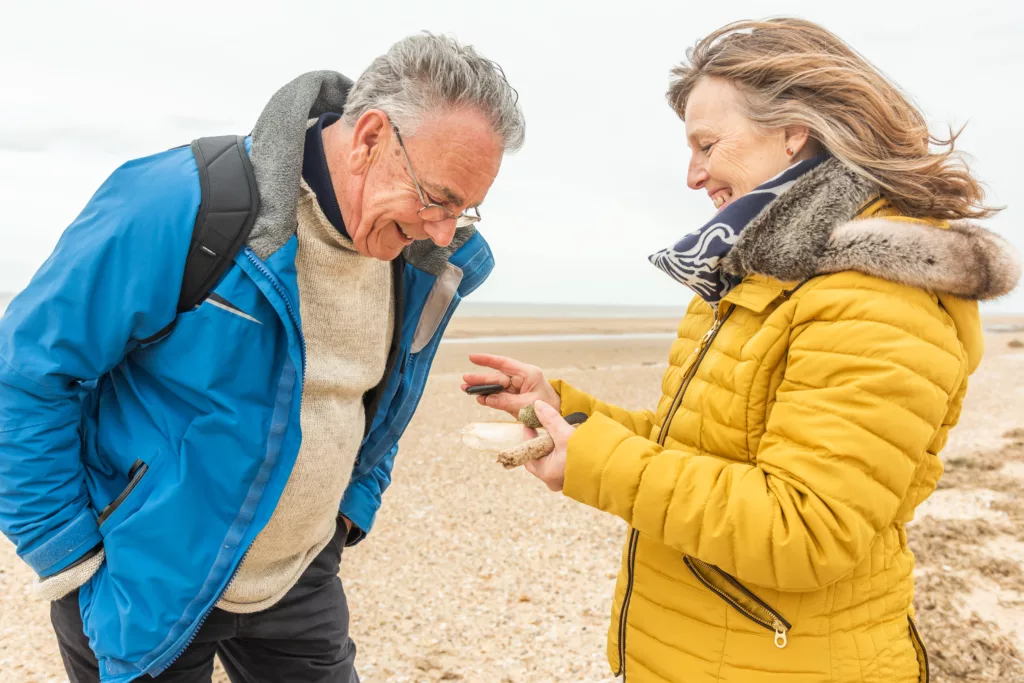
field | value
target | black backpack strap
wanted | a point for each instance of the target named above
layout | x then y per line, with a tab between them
227	212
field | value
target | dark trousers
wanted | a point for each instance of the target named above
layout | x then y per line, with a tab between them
304	637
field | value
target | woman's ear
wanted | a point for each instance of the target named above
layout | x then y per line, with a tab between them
796	140
369	133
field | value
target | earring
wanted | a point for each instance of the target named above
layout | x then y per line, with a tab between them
789	151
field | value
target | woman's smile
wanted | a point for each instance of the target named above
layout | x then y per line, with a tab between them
720	197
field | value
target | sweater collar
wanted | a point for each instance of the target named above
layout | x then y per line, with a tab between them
317	173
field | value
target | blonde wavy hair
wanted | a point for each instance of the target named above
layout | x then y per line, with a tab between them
794	72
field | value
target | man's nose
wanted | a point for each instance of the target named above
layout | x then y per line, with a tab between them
696	176
440	233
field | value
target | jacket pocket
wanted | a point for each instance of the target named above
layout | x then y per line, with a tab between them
135	474
919	649
223	304
740	598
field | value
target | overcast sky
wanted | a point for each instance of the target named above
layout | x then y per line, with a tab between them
601	182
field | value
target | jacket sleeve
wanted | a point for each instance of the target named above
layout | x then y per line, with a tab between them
639	422
866	389
102	290
363	496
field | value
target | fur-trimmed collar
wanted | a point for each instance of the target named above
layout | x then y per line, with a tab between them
810	230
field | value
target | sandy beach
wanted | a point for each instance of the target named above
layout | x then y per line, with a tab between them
474	573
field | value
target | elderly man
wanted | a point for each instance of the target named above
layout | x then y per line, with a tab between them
183	476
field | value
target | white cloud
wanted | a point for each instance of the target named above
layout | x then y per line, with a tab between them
572	218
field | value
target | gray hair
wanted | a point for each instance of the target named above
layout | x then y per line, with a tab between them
427	73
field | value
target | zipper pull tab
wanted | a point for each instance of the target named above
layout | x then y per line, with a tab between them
711	331
781	637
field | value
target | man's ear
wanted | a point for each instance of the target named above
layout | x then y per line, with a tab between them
367	138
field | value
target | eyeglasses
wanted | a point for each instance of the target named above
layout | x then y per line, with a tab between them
432	212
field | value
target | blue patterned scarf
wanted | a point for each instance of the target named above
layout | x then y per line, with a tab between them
694	260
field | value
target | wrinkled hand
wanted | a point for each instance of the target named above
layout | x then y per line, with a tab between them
524	384
551	468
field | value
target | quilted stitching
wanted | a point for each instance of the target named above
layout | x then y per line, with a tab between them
834	403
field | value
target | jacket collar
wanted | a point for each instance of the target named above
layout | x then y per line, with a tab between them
756	292
833	220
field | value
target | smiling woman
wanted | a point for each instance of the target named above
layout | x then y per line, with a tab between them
731	155
752	90
815	379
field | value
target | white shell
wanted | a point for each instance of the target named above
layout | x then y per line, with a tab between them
495	436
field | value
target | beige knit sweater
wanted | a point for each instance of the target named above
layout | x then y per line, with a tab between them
347	307
341	297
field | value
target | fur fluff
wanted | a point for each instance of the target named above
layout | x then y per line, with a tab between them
810	231
965	260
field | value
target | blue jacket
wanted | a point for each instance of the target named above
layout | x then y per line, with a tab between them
172	450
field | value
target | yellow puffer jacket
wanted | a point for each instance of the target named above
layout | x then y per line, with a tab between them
799	428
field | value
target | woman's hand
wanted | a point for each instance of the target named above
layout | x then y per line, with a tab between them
524	384
551	468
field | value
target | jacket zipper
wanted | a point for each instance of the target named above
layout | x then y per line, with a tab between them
702	349
634	537
291	314
768	617
287	304
206	614
923	676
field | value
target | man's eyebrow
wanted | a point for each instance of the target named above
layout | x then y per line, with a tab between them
447	193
